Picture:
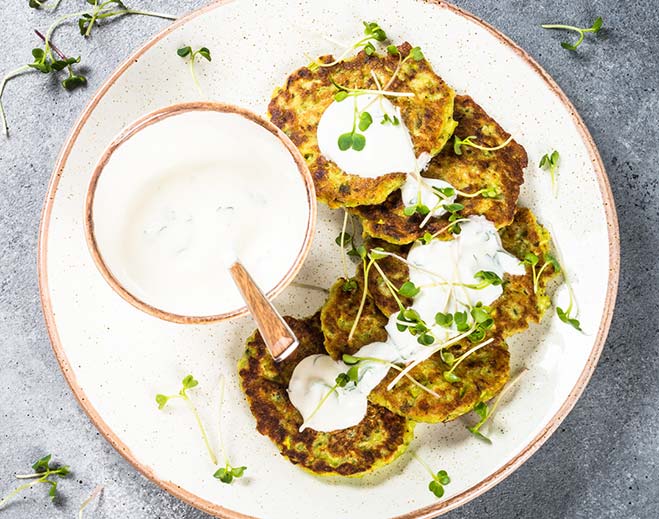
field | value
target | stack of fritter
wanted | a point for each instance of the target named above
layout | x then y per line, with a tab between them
431	117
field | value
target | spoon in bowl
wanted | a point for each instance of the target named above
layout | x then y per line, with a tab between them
277	335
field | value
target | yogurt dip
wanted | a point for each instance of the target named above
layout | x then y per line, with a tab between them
187	195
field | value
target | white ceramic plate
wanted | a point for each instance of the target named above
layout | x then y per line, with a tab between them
117	358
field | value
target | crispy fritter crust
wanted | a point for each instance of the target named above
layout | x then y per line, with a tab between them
469	172
376	441
519	305
337	317
297	107
482	375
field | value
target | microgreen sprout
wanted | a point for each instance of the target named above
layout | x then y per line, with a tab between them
459	143
393	120
439	479
95	493
533	260
486	192
485	413
366	265
39	4
549	161
44	471
410	320
362	119
104	9
443	194
595	28
48	63
342	380
191	55
227	473
47	60
566	315
486	278
372	33
353	139
188	383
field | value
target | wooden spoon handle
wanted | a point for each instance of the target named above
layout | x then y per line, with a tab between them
276	333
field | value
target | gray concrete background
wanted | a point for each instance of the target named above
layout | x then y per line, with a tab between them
602	462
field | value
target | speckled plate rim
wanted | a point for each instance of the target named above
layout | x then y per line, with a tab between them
422	513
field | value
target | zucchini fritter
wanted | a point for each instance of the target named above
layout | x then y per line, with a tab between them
297	107
469	172
519	305
482	375
376	441
338	316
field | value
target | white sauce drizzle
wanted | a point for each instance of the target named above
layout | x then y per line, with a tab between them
414	192
388	149
478	247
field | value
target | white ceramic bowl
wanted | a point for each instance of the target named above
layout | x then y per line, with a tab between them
165	150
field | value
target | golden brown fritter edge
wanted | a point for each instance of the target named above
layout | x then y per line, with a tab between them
482	375
337	317
297	107
469	172
353	452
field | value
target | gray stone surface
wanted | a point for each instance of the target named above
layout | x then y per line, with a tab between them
602	462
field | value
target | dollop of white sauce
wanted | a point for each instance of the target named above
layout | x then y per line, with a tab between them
440	269
388	149
419	190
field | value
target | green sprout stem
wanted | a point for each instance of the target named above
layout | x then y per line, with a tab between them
537	276
468	353
343	55
3	84
373	33
223	450
438	480
18	490
227	473
475	429
43	471
597	25
566	315
423	463
188	383
392	289
458	143
449	226
193	408
191	64
450	342
367	268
